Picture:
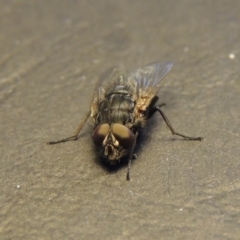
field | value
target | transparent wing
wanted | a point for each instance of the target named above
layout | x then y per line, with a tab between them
149	78
108	80
117	75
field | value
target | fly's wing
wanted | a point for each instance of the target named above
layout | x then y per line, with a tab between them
111	78
108	81
149	80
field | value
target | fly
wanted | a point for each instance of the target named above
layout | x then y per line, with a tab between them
122	107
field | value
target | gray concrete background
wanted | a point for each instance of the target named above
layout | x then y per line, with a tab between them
51	55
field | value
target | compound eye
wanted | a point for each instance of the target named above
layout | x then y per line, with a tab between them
100	133
123	135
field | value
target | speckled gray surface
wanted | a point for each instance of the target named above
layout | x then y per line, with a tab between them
51	55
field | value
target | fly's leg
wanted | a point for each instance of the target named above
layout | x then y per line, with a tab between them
158	108
131	155
75	136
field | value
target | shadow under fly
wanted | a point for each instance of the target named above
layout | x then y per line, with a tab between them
121	107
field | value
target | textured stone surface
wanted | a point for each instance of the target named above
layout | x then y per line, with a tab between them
52	54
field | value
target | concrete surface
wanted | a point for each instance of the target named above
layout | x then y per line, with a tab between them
52	54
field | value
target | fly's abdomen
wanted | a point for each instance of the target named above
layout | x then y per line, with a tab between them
116	108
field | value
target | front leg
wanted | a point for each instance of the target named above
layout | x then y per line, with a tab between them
158	109
75	136
131	156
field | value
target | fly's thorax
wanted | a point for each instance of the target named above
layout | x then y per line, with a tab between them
116	108
114	141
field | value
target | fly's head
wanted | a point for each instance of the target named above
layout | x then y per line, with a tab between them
113	141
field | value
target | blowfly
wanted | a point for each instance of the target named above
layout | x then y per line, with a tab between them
122	107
